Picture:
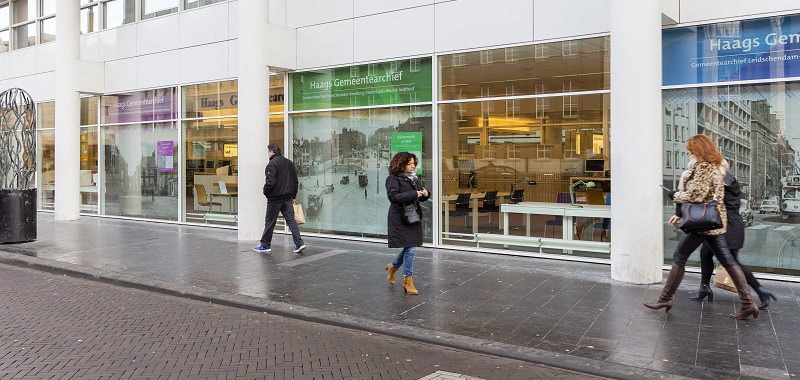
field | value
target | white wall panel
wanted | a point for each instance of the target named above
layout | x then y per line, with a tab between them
118	43
22	62
300	13
567	18
325	45
277	12
5	67
46	86
45	58
371	7
393	34
121	75
5	84
157	35
90	47
694	11
204	25
204	63
282	50
158	70
468	24
233	20
233	58
27	83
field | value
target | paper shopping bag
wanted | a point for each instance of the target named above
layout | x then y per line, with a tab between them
299	216
723	280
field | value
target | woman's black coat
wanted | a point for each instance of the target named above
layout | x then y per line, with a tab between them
734	234
400	190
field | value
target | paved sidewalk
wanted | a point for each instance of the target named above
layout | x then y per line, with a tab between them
566	314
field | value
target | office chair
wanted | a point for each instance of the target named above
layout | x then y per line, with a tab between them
462	207
202	198
489	205
517	196
558	221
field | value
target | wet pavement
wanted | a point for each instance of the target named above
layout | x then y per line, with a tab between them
554	312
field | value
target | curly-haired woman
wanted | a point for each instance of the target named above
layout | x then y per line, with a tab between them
403	188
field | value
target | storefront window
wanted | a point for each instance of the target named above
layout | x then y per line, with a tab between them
46	155
547	136
753	127
141	177
491	153
139	156
89	174
342	160
211	170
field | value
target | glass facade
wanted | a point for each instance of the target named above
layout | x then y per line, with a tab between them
753	124
536	137
342	156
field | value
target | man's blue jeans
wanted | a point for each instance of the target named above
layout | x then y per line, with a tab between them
406	259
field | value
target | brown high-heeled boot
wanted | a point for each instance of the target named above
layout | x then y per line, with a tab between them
665	299
748	307
390	276
408	285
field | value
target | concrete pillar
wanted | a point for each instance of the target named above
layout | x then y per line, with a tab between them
68	117
636	150
253	115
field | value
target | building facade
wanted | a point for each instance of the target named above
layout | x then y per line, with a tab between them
162	110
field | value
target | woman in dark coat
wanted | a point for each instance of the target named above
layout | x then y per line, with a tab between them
403	187
735	237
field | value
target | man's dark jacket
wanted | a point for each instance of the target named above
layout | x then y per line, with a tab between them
280	179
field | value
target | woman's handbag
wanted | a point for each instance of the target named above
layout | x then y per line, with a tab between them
723	280
410	215
299	215
700	217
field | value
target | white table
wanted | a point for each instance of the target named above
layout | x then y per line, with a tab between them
474	200
566	211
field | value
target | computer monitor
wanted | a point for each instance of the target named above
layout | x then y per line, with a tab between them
595	166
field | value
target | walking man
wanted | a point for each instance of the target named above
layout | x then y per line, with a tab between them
280	188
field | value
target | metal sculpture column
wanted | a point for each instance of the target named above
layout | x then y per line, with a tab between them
17	166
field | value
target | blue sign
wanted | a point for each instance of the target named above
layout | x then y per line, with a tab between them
732	51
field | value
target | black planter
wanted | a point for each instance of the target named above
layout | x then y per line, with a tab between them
17	215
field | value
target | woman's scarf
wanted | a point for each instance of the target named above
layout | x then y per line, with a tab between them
412	176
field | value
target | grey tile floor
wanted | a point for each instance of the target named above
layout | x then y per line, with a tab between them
550	311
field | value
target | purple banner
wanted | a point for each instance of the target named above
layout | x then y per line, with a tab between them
165	156
150	105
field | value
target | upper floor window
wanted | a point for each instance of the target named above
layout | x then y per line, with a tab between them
189	4
23	10
118	12
48	8
89	19
155	8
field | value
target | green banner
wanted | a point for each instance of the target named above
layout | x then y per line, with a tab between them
408	142
374	84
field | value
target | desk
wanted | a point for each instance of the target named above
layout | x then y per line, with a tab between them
474	201
567	212
232	198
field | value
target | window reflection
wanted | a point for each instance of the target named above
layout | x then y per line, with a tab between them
140	171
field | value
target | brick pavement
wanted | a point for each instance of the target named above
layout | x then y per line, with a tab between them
59	327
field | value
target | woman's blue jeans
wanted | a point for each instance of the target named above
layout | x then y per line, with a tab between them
406	259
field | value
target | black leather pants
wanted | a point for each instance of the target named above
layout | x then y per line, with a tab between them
690	242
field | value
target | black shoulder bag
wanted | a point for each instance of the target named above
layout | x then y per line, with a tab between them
700	217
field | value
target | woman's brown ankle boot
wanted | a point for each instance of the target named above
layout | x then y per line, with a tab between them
408	285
